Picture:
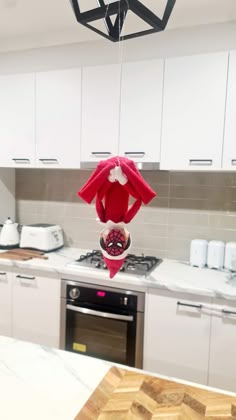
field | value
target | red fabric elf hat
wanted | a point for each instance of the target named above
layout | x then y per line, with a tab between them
113	265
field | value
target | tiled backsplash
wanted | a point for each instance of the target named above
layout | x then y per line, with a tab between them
189	205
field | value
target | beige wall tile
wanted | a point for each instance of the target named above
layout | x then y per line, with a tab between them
156	177
223	221
155	242
189	191
159	202
190	232
148	214
188	218
178	249
189	205
159	253
226	235
81	210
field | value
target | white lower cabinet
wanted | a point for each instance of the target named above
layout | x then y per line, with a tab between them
177	335
36	309
222	372
5	303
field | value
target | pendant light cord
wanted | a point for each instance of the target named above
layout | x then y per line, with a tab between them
120	58
120	63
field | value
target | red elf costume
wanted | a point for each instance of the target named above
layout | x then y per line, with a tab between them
113	182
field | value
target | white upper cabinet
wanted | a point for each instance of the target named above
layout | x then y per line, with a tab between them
100	112
229	150
17	120
58	118
193	112
141	108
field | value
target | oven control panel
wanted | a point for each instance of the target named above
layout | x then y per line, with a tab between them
101	296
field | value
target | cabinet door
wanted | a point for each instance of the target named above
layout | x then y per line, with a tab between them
229	150
177	332
58	118
17	120
5	304
193	112
223	344
141	108
36	309
100	112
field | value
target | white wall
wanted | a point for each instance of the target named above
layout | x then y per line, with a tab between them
199	39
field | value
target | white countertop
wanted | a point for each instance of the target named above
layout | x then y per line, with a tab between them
43	383
170	274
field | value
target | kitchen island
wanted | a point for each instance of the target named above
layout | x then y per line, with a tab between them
43	383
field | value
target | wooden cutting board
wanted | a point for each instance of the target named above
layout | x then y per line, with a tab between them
127	395
20	254
29	252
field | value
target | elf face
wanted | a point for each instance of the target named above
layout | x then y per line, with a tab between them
115	241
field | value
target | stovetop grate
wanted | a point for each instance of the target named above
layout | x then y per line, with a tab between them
133	264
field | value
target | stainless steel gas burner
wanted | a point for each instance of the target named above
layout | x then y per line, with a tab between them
134	264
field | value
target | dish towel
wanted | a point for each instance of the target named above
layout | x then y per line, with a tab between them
113	183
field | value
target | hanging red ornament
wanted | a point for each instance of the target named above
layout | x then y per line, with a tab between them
113	183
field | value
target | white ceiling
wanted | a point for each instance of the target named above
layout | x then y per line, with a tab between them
52	22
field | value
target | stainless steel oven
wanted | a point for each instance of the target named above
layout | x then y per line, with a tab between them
103	322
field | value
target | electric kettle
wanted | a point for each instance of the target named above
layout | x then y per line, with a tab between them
9	235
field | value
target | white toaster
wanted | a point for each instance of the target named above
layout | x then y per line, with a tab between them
42	237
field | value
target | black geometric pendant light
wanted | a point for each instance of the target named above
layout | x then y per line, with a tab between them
119	9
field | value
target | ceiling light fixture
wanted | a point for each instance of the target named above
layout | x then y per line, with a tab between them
119	9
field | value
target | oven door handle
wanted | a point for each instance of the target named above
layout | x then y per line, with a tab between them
86	311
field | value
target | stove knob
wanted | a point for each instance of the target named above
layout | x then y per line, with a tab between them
125	301
104	267
74	293
98	264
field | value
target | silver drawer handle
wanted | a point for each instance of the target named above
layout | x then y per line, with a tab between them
3	274
140	154
25	277
48	161
224	311
190	305
21	160
233	162
99	314
101	153
206	162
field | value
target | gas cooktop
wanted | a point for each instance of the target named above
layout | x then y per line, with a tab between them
140	265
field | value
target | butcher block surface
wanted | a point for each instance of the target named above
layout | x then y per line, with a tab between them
129	395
